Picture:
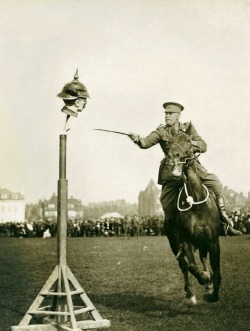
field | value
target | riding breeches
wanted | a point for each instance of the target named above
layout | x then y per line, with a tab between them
171	188
168	196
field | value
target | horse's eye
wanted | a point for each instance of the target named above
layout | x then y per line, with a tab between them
188	140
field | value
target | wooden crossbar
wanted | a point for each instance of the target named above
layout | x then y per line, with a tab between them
83	310
48	312
35	327
85	325
52	293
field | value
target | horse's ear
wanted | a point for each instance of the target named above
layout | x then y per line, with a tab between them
189	129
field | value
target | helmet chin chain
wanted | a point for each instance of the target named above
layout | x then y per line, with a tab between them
190	199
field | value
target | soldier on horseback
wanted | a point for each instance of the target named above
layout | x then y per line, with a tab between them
170	185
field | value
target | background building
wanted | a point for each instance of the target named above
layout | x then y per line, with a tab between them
12	206
149	201
47	209
236	201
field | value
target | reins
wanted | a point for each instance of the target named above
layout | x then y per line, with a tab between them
190	199
180	148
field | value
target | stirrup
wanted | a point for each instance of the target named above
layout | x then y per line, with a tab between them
233	231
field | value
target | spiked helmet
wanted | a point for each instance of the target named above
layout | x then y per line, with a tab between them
74	90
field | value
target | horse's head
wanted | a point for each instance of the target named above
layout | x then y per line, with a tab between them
180	153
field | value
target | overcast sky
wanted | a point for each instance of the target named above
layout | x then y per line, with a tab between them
133	56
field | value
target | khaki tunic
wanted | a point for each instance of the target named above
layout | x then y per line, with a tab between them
170	185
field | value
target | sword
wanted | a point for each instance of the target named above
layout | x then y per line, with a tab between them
118	132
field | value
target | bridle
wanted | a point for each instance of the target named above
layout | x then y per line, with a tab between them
185	154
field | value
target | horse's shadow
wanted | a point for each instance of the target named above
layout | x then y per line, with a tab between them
150	306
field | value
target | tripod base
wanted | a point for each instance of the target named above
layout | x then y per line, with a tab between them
66	306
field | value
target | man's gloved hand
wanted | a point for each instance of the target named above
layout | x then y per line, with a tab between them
135	137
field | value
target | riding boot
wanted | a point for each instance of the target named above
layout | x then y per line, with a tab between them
227	226
171	230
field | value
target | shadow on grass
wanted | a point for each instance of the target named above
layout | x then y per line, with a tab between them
146	305
133	302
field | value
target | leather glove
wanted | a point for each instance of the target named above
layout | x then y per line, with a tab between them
135	137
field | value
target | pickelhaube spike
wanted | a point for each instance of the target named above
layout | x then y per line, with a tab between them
76	75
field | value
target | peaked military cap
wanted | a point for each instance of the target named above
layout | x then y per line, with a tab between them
172	107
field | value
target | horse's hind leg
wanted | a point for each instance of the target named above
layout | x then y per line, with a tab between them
204	260
202	277
215	265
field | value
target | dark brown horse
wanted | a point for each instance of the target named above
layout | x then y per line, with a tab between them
197	223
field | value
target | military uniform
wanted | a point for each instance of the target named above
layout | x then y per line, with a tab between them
170	185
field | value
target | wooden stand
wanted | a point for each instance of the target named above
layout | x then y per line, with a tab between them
62	290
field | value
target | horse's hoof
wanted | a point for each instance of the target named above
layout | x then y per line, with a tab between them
211	297
206	276
209	289
191	302
208	292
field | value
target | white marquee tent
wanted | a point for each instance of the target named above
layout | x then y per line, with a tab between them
111	215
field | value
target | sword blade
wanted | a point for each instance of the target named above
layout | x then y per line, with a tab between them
118	132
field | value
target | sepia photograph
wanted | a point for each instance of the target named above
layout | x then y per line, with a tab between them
125	165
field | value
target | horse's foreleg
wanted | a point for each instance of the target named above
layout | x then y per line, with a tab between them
173	239
190	297
172	234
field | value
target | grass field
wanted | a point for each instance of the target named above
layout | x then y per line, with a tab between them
135	283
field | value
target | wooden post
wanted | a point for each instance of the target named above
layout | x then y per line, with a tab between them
62	219
62	205
62	285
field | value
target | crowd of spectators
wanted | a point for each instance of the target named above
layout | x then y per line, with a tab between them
241	221
93	227
108	227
